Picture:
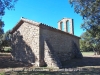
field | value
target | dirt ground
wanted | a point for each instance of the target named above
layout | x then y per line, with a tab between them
7	62
89	65
89	61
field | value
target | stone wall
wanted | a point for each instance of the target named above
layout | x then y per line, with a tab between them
43	45
60	42
25	43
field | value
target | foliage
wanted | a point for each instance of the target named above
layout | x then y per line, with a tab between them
4	4
90	11
85	42
89	43
2	73
5	40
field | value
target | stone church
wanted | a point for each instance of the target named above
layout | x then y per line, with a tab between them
43	45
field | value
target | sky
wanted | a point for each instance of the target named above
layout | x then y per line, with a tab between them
45	11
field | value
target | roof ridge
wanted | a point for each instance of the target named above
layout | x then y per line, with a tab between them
42	24
37	24
48	26
29	21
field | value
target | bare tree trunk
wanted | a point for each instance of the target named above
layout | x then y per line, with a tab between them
98	52
94	50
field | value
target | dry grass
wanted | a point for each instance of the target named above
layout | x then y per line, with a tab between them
89	65
87	53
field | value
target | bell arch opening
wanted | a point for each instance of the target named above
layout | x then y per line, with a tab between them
66	25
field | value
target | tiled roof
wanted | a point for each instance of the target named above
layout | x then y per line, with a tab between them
22	20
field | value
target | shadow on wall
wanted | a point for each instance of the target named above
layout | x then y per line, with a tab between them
20	50
76	51
52	54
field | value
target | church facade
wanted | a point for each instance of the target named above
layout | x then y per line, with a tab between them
43	45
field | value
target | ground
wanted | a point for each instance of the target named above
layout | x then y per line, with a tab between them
7	62
90	64
89	60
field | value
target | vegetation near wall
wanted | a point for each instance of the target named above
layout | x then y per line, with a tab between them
90	11
4	4
5	42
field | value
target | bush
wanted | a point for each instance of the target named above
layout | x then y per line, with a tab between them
6	49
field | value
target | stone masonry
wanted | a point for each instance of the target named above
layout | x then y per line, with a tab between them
42	45
65	20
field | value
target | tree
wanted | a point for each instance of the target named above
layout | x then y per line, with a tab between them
5	40
85	42
90	11
89	43
4	4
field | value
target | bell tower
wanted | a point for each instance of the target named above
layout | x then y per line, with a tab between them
64	21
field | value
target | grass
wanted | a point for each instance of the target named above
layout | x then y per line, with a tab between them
87	70
87	53
7	48
55	73
2	73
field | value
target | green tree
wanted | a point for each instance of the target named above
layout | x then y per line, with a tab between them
85	42
89	43
4	4
5	40
90	11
